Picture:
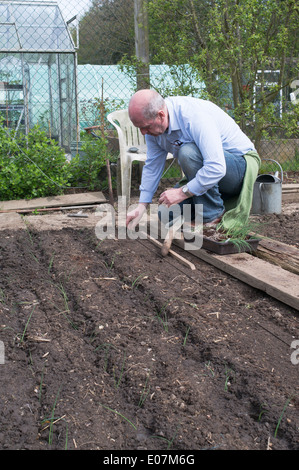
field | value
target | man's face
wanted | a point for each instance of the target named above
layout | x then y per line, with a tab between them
153	127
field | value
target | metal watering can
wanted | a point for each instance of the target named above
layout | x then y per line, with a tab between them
267	193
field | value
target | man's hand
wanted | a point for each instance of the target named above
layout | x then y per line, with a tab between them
134	216
172	196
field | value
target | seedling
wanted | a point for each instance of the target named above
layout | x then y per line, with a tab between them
119	414
145	392
162	315
67	310
51	263
210	369
41	385
106	347
229	374
27	323
262	411
137	279
117	382
238	234
170	441
282	413
2	296
52	420
186	336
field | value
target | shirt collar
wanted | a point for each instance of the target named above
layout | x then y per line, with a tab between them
172	120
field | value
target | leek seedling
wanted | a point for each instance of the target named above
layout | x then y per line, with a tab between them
27	323
282	413
119	414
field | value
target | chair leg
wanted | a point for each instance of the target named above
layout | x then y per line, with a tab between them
118	178
126	171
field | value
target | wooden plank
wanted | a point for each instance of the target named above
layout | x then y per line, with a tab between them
294	186
274	280
290	193
278	253
11	221
54	201
289	197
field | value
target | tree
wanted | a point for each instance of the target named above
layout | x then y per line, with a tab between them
232	44
107	32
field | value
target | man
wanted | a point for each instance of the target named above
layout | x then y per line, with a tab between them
208	143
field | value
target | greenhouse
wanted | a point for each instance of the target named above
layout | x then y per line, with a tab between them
38	70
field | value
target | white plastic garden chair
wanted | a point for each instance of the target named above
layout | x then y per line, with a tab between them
129	138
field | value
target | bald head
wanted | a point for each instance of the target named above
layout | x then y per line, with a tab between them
145	106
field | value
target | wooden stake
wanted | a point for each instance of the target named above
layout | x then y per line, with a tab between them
173	253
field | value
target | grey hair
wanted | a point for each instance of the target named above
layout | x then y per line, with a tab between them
154	105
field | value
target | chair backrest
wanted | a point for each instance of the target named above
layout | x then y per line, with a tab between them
131	134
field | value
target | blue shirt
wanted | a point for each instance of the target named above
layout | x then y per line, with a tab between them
200	122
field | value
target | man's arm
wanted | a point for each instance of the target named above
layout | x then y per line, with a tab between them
173	196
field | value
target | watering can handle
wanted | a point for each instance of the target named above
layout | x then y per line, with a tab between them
270	160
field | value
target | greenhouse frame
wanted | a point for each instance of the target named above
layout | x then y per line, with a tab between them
38	70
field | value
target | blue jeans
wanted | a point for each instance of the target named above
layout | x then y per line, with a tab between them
190	160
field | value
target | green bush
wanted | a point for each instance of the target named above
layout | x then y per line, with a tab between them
31	166
35	166
86	166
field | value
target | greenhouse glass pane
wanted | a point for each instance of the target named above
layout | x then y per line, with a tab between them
33	27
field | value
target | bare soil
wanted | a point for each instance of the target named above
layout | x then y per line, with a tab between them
110	346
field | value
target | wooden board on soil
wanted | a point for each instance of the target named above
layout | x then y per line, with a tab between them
290	193
54	201
274	280
281	254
